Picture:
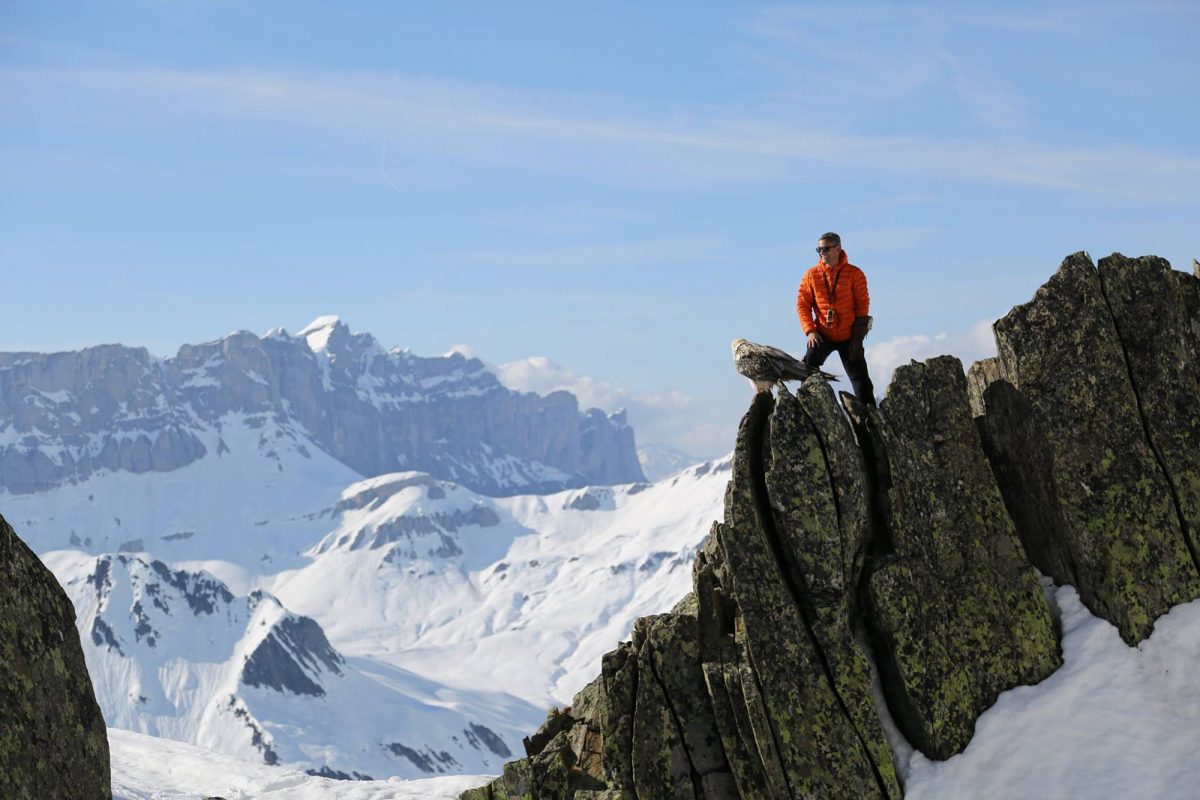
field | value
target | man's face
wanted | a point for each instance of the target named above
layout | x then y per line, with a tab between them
829	252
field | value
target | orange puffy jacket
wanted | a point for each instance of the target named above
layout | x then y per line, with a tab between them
842	288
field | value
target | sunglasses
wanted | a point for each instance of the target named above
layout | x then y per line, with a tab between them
827	249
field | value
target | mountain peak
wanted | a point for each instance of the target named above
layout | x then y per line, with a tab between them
317	332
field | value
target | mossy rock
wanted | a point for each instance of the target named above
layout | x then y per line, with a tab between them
53	740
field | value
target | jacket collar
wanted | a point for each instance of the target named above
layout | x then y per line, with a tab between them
842	261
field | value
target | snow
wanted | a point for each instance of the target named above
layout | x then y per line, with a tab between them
317	332
149	768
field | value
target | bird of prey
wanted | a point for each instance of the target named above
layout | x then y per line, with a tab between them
766	366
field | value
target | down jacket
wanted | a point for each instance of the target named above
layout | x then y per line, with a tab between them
842	288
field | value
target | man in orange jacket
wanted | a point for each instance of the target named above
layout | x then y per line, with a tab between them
833	305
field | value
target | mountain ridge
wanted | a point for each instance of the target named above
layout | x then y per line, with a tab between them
67	415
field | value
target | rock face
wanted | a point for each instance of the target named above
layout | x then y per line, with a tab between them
1091	424
955	609
902	537
53	742
64	416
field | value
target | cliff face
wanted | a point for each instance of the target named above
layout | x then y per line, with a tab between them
53	742
903	537
64	416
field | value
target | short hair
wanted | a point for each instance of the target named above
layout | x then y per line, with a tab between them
831	237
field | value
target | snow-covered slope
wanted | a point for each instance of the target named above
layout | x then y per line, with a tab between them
176	654
271	605
253	503
449	582
150	768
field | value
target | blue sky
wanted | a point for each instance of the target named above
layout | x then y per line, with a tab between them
618	188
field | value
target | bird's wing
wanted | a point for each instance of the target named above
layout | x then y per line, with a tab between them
774	352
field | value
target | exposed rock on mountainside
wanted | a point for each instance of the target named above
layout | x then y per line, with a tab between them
64	416
1092	422
53	742
904	540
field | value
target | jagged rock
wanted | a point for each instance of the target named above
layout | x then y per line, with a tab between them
677	751
755	635
1155	309
816	482
956	611
1069	444
564	757
53	741
980	376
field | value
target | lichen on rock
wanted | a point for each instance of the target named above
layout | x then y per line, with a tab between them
955	609
1069	439
53	741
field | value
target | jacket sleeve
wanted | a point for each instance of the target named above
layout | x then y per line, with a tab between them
862	298
804	304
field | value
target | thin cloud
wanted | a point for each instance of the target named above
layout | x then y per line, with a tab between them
553	132
656	251
993	102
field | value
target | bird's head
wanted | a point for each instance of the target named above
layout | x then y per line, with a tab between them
736	344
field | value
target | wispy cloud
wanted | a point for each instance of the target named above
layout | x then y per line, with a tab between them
993	102
655	251
608	142
893	238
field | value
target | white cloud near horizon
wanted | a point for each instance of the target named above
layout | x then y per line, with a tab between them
670	418
609	139
973	344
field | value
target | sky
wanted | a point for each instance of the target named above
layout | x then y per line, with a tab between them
594	196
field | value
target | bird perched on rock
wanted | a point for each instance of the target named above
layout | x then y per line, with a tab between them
766	366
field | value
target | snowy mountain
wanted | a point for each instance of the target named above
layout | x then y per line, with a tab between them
67	416
270	604
176	654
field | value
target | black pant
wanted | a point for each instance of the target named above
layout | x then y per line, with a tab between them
856	368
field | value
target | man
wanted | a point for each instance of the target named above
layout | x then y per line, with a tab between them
833	305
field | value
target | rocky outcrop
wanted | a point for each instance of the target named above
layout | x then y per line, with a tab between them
1090	419
65	416
956	611
759	684
53	741
898	542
